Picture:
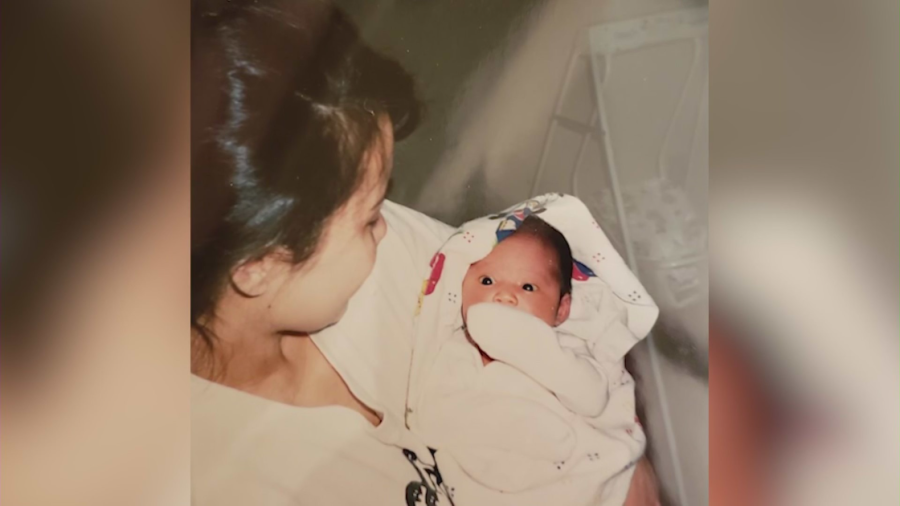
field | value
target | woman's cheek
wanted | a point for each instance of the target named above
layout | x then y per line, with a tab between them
364	262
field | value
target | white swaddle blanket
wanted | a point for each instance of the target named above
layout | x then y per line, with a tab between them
502	436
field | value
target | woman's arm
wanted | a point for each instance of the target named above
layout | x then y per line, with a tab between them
644	489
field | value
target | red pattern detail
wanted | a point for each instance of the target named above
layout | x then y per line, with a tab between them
437	266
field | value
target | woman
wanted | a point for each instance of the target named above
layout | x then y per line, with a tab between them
293	125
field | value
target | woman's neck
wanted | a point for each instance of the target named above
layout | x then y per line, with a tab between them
242	352
286	368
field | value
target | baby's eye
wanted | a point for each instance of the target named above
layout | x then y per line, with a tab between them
486	281
528	287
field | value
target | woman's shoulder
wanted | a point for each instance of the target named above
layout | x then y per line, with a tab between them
420	235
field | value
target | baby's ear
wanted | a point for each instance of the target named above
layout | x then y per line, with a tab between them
565	306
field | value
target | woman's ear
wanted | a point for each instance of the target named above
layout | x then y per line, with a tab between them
565	306
251	278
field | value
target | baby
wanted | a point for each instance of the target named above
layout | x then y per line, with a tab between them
504	397
531	271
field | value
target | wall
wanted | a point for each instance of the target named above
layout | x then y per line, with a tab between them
442	43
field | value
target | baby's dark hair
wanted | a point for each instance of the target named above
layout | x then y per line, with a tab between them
553	239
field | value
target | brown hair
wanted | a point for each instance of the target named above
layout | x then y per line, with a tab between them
285	102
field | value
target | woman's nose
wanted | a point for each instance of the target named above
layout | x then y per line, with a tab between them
505	297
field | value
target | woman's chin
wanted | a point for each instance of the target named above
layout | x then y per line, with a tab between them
333	320
340	314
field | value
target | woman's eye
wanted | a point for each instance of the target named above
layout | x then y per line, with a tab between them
528	287
486	281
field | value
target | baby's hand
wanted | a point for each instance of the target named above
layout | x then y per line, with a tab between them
530	345
510	335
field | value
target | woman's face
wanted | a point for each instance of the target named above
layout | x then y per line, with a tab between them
314	295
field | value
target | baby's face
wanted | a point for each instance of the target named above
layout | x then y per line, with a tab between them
520	272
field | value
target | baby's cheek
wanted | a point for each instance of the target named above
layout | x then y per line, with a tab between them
466	302
467	294
473	297
546	311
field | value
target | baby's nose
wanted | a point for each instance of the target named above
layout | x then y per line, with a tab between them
505	297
